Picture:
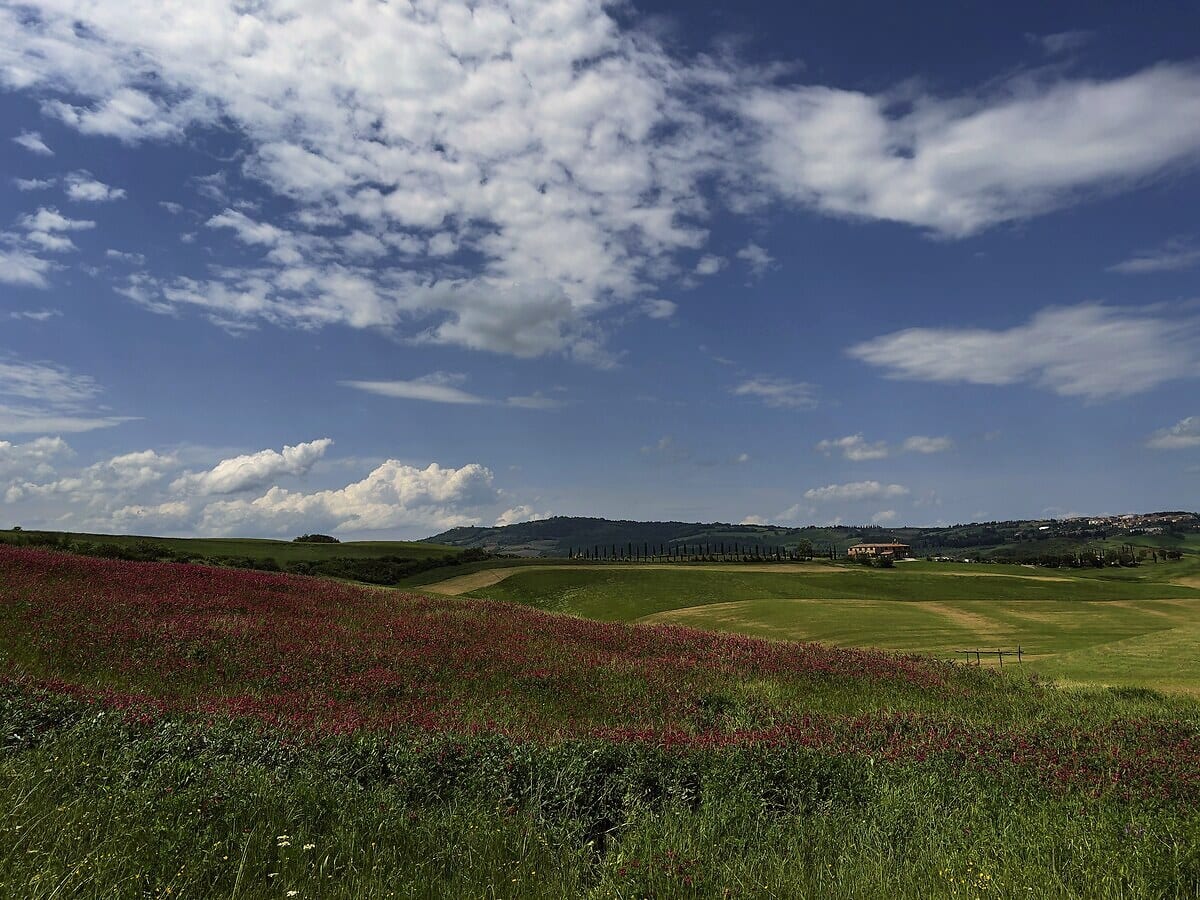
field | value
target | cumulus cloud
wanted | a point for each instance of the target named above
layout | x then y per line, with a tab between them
1058	349
547	142
32	141
1175	255
947	164
523	167
437	387
33	184
778	392
855	490
854	447
884	517
252	470
100	482
46	228
33	459
523	513
83	188
709	265
392	496
1183	435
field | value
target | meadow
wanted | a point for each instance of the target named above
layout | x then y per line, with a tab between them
1137	626
281	552
183	730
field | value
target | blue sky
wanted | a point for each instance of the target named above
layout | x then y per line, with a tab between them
381	269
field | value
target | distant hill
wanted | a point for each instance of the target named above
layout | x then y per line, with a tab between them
561	535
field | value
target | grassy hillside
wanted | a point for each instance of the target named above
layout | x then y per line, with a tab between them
1020	540
1109	626
175	730
253	548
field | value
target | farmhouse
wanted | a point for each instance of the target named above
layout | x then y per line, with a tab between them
894	550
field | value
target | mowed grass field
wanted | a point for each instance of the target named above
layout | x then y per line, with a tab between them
1136	627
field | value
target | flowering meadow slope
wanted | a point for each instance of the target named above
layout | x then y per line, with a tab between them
177	730
321	657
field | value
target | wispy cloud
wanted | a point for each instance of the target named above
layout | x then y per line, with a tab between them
1183	435
1175	255
780	393
43	398
437	387
948	164
854	447
1061	41
1090	351
32	141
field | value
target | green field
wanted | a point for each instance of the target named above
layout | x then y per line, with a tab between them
203	731
280	551
1108	626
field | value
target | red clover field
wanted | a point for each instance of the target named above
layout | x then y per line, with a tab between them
186	730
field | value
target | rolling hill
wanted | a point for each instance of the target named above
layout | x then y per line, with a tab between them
1008	540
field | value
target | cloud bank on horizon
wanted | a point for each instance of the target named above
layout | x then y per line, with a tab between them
528	184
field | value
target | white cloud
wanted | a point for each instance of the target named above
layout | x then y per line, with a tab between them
558	153
952	165
437	387
45	383
884	517
523	513
659	309
32	141
82	187
778	392
1061	41
855	490
33	184
46	228
536	400
34	459
100	482
758	259
532	165
709	265
23	268
1183	435
392	496
252	470
854	447
140	516
1089	351
43	398
135	259
34	315
921	444
1175	255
